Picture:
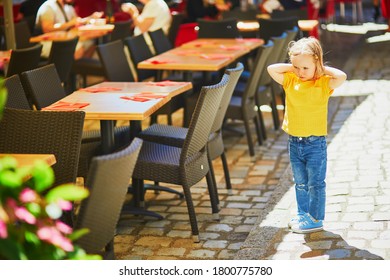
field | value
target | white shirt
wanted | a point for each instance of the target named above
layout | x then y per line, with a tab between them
158	10
51	10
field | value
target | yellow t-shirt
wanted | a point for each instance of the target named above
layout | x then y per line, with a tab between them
306	110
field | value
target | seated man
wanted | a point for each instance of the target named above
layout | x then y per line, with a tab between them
58	15
155	15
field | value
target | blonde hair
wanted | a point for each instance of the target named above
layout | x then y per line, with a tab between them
310	46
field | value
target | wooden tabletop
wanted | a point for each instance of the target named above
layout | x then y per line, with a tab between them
85	32
110	105
30	159
202	55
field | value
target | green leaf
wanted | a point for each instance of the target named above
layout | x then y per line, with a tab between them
43	176
67	192
8	162
78	233
32	238
10	179
33	208
3	97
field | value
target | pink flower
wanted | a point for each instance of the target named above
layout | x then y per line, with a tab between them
65	205
53	236
22	214
3	230
64	228
27	195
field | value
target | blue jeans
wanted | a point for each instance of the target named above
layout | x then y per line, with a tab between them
308	158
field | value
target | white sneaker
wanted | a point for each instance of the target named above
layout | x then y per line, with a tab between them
307	225
295	220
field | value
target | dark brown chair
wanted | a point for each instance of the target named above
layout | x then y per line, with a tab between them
16	97
114	61
24	59
62	56
160	41
175	136
226	28
187	165
139	51
243	107
275	27
107	183
41	132
122	29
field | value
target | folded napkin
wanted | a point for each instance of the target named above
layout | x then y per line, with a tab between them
65	106
166	83
143	96
214	56
100	89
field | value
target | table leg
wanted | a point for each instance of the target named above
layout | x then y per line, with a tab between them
107	135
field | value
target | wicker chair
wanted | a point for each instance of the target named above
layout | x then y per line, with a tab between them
160	41
107	182
44	87
139	51
62	56
16	98
175	136
275	27
267	89
41	132
226	28
114	61
24	59
122	29
243	107
185	166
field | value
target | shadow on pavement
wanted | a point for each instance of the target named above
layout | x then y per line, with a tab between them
339	248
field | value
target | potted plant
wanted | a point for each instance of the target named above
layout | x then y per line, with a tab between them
30	211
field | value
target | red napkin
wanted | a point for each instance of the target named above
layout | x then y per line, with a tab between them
143	96
100	89
158	61
65	106
166	83
214	56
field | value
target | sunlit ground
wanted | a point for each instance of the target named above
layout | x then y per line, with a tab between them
356	29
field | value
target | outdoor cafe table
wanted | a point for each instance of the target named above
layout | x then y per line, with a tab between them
202	55
29	159
111	101
85	32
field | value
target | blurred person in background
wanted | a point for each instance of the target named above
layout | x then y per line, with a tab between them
60	15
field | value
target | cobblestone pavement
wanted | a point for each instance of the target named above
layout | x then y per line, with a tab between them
254	216
357	222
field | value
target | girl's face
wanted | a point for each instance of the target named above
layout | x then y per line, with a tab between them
304	66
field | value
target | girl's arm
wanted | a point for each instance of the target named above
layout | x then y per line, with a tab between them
337	76
276	71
